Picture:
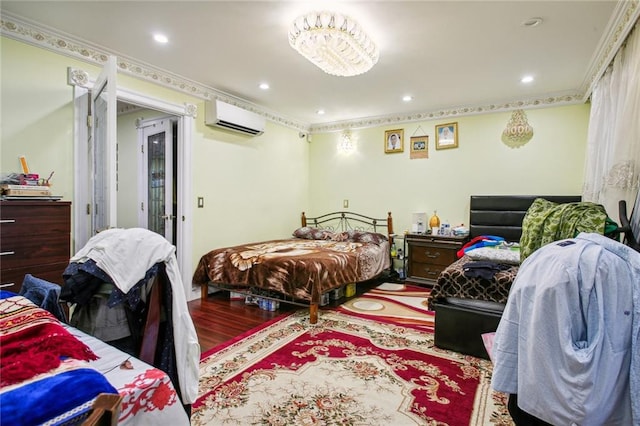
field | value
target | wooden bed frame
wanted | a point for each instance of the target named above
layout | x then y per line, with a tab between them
339	221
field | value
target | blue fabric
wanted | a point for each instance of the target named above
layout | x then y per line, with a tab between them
4	294
568	340
489	242
42	400
83	279
44	294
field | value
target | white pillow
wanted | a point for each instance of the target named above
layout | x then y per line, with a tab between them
508	256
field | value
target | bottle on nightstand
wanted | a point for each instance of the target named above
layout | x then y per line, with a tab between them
434	223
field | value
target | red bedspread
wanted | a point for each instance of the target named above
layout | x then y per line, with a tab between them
32	341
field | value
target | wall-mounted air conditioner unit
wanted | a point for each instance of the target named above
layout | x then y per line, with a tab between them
231	117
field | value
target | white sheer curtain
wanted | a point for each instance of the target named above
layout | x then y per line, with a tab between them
612	168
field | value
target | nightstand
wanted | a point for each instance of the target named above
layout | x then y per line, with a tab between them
428	255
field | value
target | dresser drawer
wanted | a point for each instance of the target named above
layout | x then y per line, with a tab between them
18	252
432	254
428	271
22	221
11	279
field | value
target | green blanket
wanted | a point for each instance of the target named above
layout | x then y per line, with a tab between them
546	222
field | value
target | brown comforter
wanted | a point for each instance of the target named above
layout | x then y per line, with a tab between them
299	268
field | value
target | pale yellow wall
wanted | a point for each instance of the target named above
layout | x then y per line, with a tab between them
254	187
375	182
36	114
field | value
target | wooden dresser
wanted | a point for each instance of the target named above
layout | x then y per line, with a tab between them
428	255
35	238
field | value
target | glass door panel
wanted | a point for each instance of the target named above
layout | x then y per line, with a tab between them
156	201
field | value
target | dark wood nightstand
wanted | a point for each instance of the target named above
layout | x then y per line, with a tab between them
428	255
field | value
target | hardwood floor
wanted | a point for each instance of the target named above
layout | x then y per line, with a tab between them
219	319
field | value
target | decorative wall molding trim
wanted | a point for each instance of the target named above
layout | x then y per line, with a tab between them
48	38
563	99
190	110
76	77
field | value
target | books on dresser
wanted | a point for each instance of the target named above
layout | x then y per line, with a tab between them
25	190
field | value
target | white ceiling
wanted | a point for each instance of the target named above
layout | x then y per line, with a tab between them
446	54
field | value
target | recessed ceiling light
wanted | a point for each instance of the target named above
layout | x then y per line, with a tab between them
527	79
532	22
160	38
320	112
407	98
264	86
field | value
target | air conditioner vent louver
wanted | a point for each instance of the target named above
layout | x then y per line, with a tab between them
237	127
231	117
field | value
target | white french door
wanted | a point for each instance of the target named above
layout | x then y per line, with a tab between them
102	150
157	185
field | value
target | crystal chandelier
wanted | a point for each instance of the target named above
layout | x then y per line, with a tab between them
333	42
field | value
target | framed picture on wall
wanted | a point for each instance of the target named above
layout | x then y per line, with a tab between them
394	141
419	147
447	136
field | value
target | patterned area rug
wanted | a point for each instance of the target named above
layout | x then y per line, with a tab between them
348	369
399	304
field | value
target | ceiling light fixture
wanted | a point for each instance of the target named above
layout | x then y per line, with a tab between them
527	79
161	38
333	42
264	86
407	98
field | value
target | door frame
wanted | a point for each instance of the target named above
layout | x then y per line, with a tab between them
185	114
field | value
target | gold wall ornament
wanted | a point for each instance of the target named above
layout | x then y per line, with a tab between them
518	131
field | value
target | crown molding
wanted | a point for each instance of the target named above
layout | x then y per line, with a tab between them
48	38
36	34
622	22
559	99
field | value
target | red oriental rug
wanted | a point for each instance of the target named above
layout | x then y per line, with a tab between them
351	368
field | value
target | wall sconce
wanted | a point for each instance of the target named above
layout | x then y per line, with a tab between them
518	131
346	144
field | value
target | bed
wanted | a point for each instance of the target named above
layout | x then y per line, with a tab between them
55	374
326	253
467	307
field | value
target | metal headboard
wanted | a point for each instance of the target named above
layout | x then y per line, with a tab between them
345	221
